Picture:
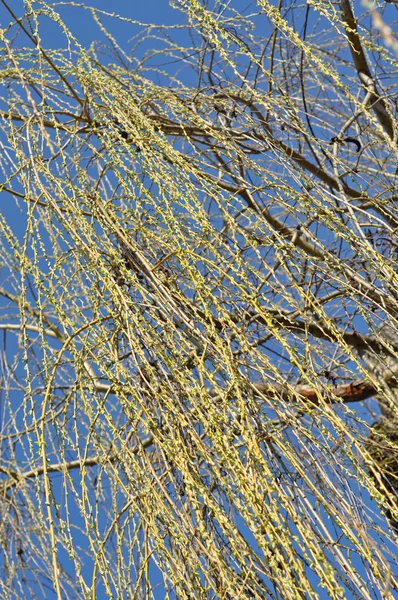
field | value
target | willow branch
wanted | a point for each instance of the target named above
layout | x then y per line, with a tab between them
377	103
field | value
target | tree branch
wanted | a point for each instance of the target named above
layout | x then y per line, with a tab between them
362	68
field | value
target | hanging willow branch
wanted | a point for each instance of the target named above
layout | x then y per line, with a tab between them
199	304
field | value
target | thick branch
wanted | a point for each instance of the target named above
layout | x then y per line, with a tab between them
352	339
63	467
361	389
362	68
